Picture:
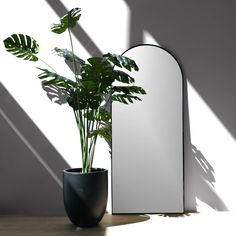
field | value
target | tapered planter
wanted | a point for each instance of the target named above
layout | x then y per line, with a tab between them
85	195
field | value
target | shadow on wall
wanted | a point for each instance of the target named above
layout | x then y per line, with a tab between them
202	182
30	167
202	36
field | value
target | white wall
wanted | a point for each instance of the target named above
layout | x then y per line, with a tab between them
111	26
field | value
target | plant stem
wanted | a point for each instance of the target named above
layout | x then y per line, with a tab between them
74	64
83	139
93	148
80	117
46	64
80	131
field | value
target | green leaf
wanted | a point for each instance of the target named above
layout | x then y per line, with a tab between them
67	21
94	101
68	55
22	46
103	115
98	74
128	89
124	94
81	98
104	132
121	61
77	100
123	77
57	80
125	98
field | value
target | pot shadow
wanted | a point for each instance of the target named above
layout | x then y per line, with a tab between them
108	221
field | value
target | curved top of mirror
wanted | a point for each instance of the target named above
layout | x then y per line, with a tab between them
147	137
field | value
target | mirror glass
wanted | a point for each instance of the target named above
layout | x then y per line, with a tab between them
147	138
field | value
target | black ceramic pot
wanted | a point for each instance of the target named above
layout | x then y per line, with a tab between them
85	195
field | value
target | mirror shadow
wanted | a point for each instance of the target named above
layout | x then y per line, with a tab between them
30	167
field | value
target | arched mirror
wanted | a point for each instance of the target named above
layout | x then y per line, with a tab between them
147	138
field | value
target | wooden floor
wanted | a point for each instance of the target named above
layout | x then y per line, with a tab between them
194	224
58	226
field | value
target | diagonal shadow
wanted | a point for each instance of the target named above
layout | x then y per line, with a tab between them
201	35
78	31
30	167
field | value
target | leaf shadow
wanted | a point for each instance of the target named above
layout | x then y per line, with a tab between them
55	94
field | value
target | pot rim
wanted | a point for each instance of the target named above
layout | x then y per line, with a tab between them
78	172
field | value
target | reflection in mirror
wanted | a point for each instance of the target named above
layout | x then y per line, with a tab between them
147	142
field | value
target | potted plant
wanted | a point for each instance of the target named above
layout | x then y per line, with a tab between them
89	94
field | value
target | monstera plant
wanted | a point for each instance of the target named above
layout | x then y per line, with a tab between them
90	92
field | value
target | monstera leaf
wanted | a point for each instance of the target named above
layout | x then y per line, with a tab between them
121	61
125	98
67	21
124	94
104	132
22	46
103	115
123	77
98	73
56	80
68	55
128	89
81	98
